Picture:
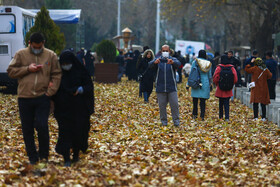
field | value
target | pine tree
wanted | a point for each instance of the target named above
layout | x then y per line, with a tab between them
43	23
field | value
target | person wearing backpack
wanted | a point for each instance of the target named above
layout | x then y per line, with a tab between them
201	69
259	92
224	78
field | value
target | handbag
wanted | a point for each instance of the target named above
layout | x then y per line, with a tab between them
253	84
140	76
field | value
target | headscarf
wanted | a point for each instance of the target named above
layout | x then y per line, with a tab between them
260	63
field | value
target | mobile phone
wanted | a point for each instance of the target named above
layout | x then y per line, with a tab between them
39	66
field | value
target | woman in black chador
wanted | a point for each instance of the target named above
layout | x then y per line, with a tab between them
74	103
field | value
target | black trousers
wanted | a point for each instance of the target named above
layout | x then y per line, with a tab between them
271	87
202	106
224	104
34	113
256	110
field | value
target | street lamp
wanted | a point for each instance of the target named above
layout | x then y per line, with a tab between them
119	18
158	27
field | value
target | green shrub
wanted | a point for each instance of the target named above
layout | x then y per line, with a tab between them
43	23
107	50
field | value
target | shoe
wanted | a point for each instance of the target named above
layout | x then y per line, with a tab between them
227	120
255	119
163	125
176	125
43	160
202	118
194	116
67	164
263	119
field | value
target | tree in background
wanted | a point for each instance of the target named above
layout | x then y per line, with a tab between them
44	24
69	30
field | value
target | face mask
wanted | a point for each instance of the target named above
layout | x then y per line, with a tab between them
36	51
66	67
165	54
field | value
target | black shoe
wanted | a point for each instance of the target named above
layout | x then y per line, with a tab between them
202	118
194	116
67	164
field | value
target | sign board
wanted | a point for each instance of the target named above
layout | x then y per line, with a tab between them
189	47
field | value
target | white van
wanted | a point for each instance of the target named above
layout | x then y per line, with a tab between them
15	22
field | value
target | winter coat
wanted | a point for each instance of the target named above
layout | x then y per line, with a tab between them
166	74
89	59
148	74
260	93
222	93
31	85
73	112
271	64
205	77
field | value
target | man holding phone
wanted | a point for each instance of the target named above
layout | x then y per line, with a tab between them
38	73
166	86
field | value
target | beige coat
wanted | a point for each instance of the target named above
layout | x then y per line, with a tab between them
31	85
260	93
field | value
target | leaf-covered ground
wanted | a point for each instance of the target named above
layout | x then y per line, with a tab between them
128	147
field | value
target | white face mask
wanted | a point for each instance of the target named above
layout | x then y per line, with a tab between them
66	67
165	54
36	51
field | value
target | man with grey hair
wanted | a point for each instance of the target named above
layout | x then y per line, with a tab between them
166	87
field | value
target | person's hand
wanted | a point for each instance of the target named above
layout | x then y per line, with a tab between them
76	93
34	68
253	60
50	84
157	61
170	61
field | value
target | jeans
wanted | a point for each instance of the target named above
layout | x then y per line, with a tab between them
172	99
34	113
256	110
224	104
146	96
202	107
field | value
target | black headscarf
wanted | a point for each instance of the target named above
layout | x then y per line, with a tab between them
202	54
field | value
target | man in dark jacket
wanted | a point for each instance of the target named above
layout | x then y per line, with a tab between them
271	64
166	87
183	62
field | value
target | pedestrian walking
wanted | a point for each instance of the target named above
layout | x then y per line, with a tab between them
89	61
166	87
201	93
38	73
225	74
259	88
271	64
130	65
146	74
74	103
139	60
120	61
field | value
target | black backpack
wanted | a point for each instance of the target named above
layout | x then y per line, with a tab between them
226	78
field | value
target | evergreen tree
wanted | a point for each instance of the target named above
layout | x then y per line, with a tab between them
43	23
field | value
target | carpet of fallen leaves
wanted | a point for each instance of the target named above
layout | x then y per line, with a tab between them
128	147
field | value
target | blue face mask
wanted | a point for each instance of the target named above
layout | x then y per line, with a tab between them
66	67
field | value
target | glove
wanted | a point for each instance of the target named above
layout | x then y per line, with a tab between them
80	90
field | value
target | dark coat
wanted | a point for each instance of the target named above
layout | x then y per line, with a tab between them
259	94
148	74
73	112
89	59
